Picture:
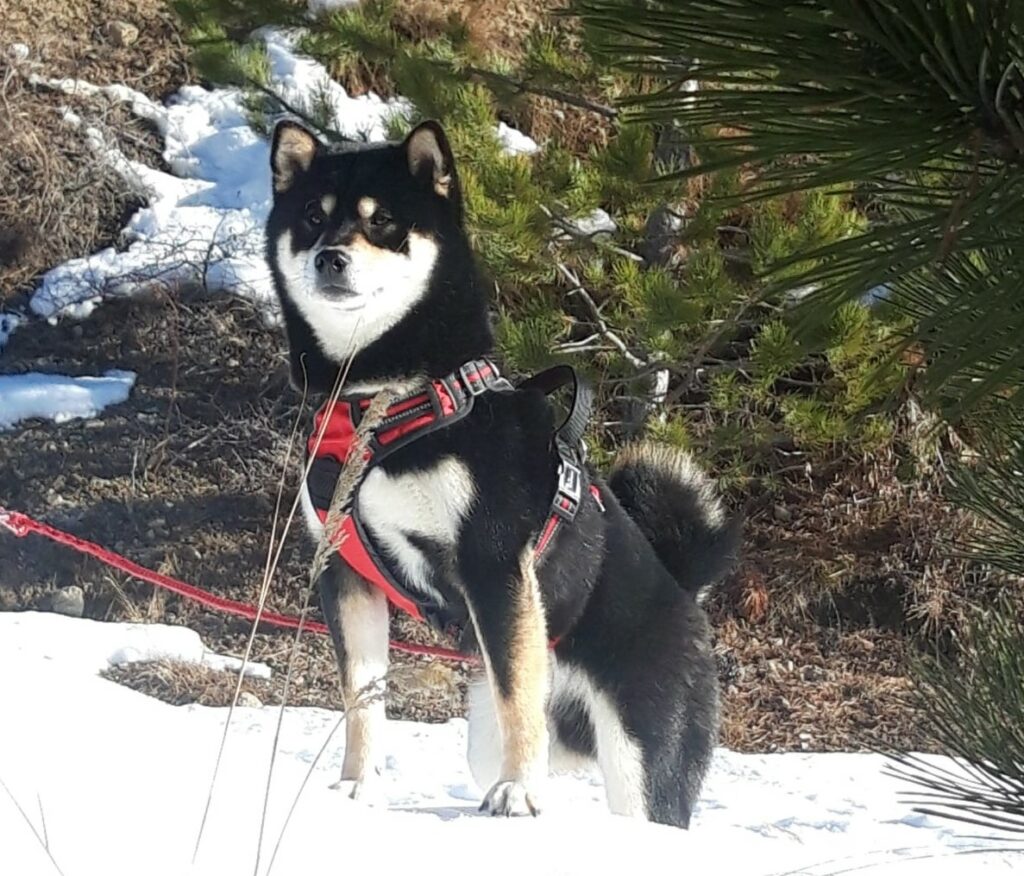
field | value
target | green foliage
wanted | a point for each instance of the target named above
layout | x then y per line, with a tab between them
914	112
916	109
521	213
993	489
973	707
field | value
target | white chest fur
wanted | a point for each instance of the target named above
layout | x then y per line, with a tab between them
430	504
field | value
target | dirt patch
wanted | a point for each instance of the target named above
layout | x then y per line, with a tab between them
58	198
75	39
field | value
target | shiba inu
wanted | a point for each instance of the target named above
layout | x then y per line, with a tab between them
579	594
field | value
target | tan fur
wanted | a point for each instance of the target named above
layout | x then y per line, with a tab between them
679	465
442	185
521	716
359	244
362	613
366	207
294	153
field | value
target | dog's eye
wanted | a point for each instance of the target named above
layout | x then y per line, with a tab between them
314	215
380	217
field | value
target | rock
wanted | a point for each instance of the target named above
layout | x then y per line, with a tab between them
249	701
69	601
782	513
121	33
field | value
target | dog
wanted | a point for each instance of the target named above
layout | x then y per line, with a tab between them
597	651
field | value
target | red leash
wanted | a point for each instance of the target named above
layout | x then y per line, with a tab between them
21	525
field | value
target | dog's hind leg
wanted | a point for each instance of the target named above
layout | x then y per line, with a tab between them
508	616
597	729
357	614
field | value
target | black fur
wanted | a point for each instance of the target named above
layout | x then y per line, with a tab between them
619	586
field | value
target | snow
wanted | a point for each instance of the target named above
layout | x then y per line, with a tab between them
320	7
94	646
515	141
122	781
595	223
58	397
203	222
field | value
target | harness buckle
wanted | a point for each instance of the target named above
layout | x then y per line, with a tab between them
569	492
473	378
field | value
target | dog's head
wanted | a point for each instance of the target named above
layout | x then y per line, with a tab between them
356	233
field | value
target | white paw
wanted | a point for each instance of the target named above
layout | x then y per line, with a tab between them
368	791
510	798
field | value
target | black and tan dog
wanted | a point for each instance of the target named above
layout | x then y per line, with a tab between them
595	647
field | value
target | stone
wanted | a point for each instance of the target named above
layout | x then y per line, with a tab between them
248	700
69	601
121	33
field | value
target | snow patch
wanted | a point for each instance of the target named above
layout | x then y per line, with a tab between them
516	142
93	646
595	223
204	222
58	397
122	781
319	7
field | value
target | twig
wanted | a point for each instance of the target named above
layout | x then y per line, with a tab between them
602	326
574	231
295	111
43	840
268	575
350	476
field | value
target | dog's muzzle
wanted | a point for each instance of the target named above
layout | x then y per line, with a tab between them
330	265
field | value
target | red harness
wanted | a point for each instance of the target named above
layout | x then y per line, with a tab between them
442	403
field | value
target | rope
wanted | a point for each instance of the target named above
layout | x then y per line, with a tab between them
22	525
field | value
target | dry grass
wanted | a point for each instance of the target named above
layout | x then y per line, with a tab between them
58	200
182	684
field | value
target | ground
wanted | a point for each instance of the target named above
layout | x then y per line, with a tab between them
183	476
144	773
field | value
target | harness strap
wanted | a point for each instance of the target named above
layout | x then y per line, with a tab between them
440	404
574	426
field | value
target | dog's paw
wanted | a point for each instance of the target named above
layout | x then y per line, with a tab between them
368	791
510	798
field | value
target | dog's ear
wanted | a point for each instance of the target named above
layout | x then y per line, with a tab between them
291	154
430	158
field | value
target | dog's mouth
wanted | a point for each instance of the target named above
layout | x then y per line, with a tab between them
335	291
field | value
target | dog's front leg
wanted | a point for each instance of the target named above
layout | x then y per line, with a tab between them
508	616
357	614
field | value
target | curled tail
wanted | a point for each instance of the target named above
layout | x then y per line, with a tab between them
675	505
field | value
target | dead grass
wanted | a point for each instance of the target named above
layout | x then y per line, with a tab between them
863	545
58	200
182	684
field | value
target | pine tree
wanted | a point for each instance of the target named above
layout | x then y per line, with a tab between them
915	110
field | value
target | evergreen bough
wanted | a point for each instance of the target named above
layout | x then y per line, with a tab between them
914	109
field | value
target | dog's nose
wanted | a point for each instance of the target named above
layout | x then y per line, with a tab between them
332	261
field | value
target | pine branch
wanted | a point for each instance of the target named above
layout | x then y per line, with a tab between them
524	86
599	321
